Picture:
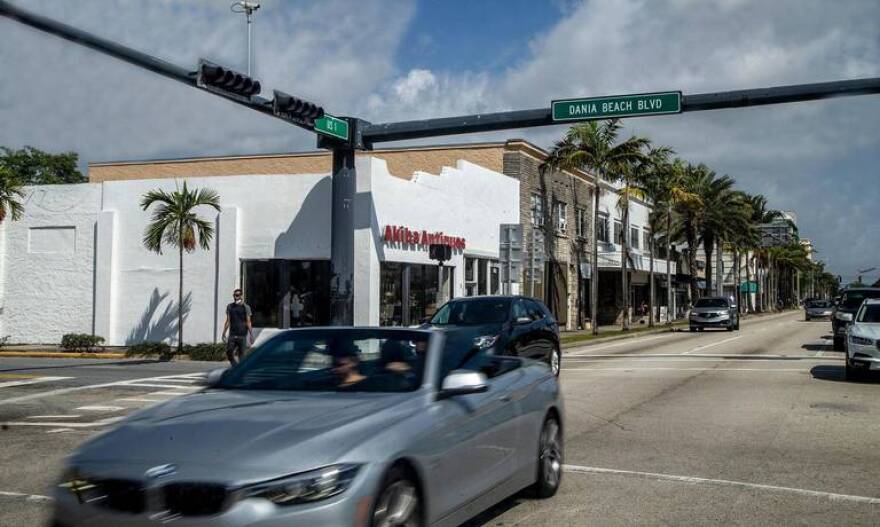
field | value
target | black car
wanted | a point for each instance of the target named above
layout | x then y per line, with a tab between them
850	301
502	325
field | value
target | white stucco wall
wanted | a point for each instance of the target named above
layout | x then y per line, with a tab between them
609	254
51	285
48	264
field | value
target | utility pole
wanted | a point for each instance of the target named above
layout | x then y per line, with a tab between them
248	8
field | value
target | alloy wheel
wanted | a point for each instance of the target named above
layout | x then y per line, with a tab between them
555	362
551	455
398	506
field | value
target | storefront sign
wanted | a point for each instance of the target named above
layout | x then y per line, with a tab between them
398	234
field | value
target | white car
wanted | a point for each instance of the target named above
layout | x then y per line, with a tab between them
862	337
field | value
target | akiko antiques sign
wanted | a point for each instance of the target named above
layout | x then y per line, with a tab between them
405	235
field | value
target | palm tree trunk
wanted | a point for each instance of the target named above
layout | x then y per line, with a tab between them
749	305
180	301
708	246
669	294
594	270
624	254
651	285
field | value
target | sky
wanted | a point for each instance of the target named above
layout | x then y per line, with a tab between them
388	60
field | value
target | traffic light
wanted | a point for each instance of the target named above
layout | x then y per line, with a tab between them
227	81
295	107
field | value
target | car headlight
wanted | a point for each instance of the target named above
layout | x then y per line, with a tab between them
485	341
305	487
846	317
861	340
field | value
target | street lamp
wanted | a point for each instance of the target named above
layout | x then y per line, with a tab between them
248	8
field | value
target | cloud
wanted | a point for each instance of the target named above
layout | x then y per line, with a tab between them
818	158
66	97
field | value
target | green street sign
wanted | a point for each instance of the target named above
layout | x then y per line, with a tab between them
610	107
332	126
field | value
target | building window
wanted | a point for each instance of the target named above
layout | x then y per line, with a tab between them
602	234
409	292
481	277
287	293
537	210
648	244
618	232
581	222
560	212
634	237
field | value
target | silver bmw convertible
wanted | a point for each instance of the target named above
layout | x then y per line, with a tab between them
329	426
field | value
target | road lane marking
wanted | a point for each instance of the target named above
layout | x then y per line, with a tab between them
73	389
152	385
28	497
690	358
142	400
723	483
57	424
625	342
36	380
98	408
53	416
171	394
713	344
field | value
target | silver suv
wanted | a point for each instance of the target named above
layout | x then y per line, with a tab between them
714	312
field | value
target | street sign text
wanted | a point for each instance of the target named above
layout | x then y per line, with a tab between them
616	106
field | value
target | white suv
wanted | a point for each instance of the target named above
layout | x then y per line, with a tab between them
862	338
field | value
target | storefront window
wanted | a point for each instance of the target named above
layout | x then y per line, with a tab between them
409	292
287	293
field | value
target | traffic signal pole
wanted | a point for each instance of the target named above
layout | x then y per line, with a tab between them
351	134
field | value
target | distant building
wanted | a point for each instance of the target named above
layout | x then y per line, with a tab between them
780	231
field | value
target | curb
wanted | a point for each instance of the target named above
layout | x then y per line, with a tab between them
60	355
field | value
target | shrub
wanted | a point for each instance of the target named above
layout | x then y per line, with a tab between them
150	349
206	351
81	342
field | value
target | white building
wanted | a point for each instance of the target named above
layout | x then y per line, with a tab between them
75	262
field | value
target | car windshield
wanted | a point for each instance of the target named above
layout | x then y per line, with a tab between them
711	302
334	360
853	299
471	312
818	303
870	314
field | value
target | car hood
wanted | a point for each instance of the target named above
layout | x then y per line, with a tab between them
871	331
257	431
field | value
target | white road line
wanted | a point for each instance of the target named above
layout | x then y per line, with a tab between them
60	430
36	380
739	357
141	400
29	497
171	394
625	342
56	424
64	391
53	417
659	368
152	385
98	408
705	346
723	483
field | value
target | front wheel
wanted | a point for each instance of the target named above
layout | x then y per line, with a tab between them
555	361
550	454
398	503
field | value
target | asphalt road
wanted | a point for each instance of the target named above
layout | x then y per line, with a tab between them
752	428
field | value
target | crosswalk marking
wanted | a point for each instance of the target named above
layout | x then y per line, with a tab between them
99	408
35	380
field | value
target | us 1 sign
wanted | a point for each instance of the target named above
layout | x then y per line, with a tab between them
616	106
332	126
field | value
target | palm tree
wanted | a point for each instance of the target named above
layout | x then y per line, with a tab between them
760	215
10	195
593	147
722	214
175	222
688	214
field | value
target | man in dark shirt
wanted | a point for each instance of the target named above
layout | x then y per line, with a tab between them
238	324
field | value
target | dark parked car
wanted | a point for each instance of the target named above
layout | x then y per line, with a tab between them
505	325
714	312
850	302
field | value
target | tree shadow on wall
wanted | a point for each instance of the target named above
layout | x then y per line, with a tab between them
156	326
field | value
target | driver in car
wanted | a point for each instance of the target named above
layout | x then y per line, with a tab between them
346	362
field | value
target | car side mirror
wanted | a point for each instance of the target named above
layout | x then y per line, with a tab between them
523	320
463	382
213	377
